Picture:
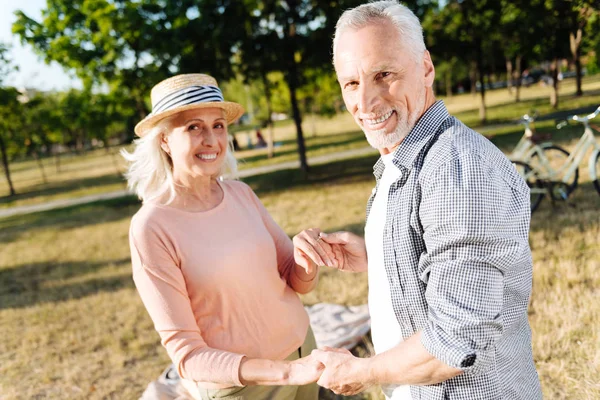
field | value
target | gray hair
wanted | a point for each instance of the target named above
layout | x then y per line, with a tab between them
406	22
150	171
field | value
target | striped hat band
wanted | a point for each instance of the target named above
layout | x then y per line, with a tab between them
187	96
186	92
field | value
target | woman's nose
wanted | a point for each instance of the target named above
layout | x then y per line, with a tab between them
208	137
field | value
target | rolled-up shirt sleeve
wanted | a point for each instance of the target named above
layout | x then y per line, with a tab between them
467	211
162	288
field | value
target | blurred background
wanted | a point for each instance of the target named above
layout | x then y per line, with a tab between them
75	78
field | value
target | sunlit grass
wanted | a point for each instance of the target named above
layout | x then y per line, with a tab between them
101	170
74	327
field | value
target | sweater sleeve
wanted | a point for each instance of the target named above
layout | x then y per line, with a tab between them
162	288
286	263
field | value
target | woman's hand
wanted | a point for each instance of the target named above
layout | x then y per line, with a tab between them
304	371
311	251
342	250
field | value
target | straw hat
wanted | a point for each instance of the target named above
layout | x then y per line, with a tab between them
186	92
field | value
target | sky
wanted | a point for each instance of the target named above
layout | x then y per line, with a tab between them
33	71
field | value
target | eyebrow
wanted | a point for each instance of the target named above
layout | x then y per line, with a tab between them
374	70
201	120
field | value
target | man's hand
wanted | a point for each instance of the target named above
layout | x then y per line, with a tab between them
344	374
349	250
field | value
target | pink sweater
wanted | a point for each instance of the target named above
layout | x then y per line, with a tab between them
217	285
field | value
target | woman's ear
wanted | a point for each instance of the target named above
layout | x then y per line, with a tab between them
164	144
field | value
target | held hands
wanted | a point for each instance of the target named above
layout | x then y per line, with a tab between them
343	374
304	371
334	369
342	250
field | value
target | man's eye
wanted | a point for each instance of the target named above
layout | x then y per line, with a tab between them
351	85
384	74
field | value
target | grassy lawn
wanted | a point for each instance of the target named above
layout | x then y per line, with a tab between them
73	326
100	171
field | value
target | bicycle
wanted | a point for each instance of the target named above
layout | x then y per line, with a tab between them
545	178
533	154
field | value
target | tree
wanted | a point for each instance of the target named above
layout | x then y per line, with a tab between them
554	45
442	37
128	46
9	110
520	30
580	12
468	28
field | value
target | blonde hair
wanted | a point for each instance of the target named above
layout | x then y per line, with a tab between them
150	171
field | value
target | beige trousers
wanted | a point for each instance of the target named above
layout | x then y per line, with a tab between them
307	392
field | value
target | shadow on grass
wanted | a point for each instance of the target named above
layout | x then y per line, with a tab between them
356	169
580	211
29	284
54	188
67	218
312	144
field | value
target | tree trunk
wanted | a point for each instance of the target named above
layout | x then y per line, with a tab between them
267	86
575	41
292	81
554	93
517	74
482	110
509	75
6	168
473	78
448	80
313	120
40	165
57	161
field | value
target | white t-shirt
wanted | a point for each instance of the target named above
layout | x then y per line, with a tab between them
385	329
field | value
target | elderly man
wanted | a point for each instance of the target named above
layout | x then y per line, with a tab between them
446	238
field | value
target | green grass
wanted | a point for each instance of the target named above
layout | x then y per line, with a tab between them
101	170
73	325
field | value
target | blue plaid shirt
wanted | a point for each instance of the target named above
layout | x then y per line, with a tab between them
458	261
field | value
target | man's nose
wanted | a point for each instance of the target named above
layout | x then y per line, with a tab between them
367	98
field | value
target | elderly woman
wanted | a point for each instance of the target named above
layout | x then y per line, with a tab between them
217	275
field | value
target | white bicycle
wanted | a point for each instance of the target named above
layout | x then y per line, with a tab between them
547	175
535	150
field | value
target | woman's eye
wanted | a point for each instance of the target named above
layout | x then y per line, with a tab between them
219	126
193	127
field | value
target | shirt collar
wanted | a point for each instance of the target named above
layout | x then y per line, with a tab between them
418	137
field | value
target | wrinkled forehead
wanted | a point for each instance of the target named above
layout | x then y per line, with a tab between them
370	48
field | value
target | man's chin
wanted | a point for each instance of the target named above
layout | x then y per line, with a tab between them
389	140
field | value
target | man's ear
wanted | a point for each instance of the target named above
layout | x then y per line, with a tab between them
428	69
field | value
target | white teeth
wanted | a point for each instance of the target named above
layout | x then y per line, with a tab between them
380	119
206	156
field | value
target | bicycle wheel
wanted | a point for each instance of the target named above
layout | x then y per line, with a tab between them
554	158
595	169
537	191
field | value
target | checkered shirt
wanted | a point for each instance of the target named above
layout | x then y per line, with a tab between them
458	261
